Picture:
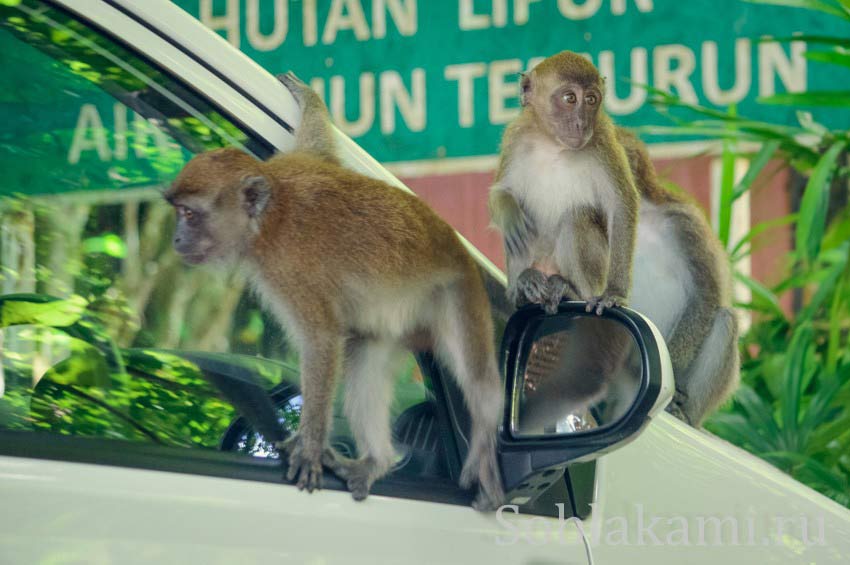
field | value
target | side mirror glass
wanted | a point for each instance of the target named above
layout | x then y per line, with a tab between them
577	386
582	373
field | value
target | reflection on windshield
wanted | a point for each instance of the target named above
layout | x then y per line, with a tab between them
100	322
96	307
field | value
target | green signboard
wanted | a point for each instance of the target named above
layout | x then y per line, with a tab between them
410	80
423	79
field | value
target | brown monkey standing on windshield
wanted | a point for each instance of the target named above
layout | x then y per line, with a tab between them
355	270
579	204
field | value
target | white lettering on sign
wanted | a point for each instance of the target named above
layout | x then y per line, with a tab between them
366	96
392	96
310	23
411	105
468	19
579	10
774	62
618	7
375	100
743	74
584	9
521	11
228	22
672	66
280	22
497	14
403	13
465	76
637	74
91	135
501	90
343	16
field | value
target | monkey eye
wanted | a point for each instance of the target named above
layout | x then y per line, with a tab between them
569	97
185	212
591	99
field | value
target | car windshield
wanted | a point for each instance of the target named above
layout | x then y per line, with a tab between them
104	332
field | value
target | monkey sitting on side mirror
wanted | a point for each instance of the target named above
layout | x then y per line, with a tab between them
578	203
355	270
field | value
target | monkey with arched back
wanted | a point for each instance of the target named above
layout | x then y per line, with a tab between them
584	217
355	270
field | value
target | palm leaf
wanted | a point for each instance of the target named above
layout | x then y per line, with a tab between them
763	299
837	56
765	154
799	352
810	227
817	5
759	229
736	428
829	98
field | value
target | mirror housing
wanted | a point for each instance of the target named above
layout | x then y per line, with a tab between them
532	457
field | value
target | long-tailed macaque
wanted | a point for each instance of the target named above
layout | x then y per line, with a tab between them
355	270
584	217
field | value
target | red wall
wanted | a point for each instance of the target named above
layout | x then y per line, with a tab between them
461	199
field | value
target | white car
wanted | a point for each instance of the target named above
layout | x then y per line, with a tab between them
151	453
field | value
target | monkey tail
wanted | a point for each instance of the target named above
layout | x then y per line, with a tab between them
715	372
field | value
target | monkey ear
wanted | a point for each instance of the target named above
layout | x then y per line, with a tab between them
524	89
255	195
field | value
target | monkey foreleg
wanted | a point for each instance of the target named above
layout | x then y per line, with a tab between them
359	474
305	461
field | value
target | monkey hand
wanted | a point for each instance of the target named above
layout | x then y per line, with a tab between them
558	289
600	303
532	287
305	461
296	86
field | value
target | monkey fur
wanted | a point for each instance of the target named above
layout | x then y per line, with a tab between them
356	271
584	217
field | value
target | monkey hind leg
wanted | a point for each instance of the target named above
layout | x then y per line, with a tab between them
713	375
369	371
464	342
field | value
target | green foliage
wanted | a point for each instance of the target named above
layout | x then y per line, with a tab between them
793	406
100	390
21	309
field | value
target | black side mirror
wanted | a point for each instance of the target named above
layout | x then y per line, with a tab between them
577	385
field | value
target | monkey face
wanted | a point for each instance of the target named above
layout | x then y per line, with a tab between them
217	201
192	238
573	109
565	92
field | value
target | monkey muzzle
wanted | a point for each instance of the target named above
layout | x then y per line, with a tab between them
193	258
575	134
188	252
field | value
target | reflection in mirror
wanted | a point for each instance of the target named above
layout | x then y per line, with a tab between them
580	375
